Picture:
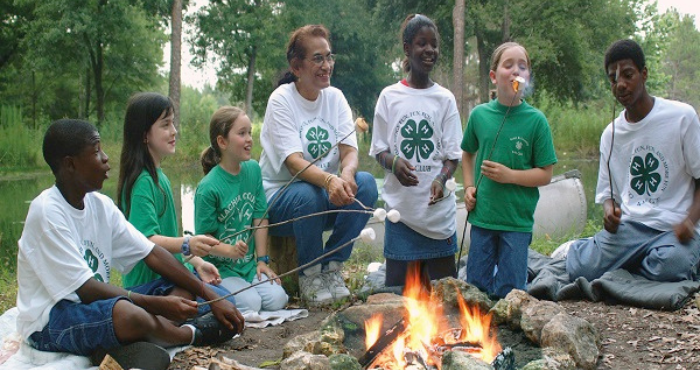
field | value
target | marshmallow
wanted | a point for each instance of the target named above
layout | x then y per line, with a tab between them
393	216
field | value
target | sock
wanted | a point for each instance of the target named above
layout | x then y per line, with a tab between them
193	331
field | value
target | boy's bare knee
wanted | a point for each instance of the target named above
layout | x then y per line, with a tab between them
131	322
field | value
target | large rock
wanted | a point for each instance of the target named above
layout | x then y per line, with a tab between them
535	316
344	362
509	309
575	336
305	361
456	360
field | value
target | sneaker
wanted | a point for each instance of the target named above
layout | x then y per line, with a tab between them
336	283
562	250
209	330
314	288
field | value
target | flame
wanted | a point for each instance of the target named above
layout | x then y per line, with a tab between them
372	327
427	328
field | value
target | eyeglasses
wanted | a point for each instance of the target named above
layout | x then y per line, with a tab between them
318	59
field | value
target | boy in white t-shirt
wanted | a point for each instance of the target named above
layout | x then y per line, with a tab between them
73	237
648	183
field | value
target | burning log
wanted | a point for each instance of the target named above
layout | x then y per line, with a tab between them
505	360
383	342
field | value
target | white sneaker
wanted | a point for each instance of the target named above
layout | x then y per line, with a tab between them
313	287
562	250
336	283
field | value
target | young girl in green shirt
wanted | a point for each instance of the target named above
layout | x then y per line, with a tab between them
143	191
230	198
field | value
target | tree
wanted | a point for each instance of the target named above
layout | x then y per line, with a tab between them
72	41
682	58
236	34
175	84
458	61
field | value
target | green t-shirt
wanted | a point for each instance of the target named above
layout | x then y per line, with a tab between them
152	212
525	142
225	204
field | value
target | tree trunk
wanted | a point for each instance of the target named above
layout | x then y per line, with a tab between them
249	85
88	95
99	88
458	59
176	59
506	24
484	67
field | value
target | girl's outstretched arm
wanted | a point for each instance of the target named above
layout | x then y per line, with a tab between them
261	250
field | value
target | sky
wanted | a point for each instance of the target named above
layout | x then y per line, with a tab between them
197	78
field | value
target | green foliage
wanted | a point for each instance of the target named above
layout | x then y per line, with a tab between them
80	59
682	58
20	146
8	288
577	129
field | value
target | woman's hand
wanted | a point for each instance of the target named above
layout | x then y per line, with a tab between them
404	172
339	192
208	273
201	245
263	268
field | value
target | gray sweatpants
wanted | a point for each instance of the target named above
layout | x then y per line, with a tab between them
656	255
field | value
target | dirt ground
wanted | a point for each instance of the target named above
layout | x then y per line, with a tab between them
632	338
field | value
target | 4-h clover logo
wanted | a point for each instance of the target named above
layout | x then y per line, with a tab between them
91	260
318	141
645	179
417	140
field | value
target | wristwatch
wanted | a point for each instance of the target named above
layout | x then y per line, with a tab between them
186	246
265	259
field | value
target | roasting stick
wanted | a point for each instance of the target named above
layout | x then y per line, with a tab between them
366	235
279	192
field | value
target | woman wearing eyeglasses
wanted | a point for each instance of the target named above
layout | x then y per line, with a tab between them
305	118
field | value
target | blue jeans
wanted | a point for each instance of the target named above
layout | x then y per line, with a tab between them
639	249
497	260
302	198
81	329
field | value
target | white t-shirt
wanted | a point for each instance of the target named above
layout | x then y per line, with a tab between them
62	247
654	164
423	127
294	124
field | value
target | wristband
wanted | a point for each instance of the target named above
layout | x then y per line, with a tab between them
439	183
186	246
393	164
265	259
128	294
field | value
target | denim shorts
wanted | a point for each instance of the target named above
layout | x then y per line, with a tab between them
404	244
81	328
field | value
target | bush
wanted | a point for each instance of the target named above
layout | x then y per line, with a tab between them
20	146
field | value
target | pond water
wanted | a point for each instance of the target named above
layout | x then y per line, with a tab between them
16	194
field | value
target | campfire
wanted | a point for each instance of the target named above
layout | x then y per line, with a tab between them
419	340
